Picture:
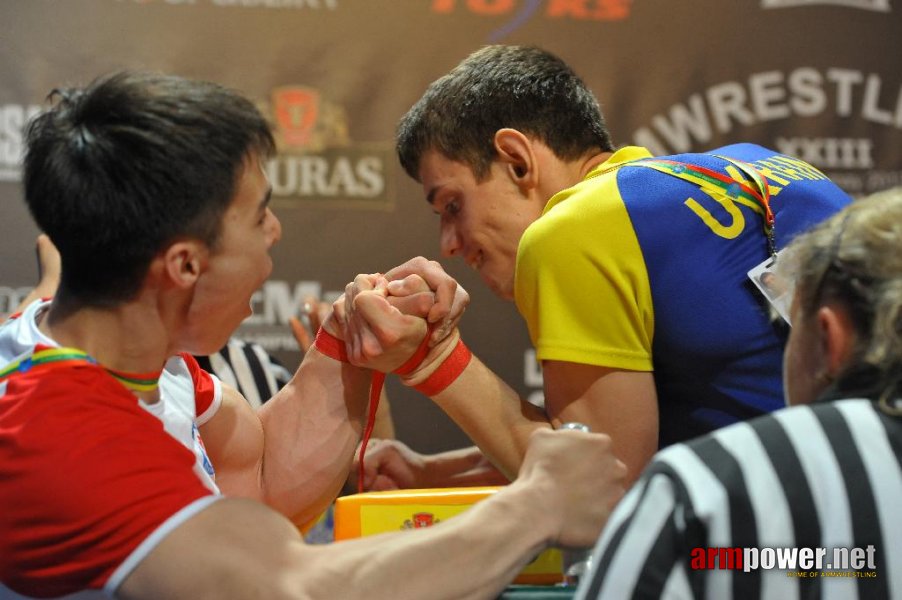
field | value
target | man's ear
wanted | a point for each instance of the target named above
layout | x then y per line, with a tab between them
516	152
837	337
184	261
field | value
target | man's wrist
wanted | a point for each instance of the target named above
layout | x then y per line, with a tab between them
433	359
447	372
442	366
527	502
330	345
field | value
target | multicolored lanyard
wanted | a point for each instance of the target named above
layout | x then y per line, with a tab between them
43	355
758	199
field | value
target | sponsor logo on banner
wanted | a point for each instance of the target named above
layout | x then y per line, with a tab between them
13	118
275	303
308	4
316	162
726	108
521	11
875	5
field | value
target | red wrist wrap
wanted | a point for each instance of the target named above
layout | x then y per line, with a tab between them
414	361
375	391
331	346
447	372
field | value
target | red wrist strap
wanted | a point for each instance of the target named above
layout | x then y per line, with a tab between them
334	348
414	361
331	346
447	372
375	392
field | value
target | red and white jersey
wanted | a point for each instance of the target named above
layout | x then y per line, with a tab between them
91	479
189	396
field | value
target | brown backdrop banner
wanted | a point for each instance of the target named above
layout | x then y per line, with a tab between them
818	79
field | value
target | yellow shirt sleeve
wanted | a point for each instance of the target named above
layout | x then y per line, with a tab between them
581	282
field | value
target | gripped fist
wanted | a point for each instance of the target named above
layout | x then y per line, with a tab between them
451	299
391	465
580	482
377	334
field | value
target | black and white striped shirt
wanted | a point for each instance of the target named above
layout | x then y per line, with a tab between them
247	367
821	476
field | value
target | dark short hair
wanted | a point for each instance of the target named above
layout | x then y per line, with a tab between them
520	87
117	170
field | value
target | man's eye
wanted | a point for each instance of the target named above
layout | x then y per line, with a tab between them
452	208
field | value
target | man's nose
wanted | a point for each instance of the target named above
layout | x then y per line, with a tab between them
449	241
275	228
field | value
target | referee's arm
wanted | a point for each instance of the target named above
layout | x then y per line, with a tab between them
643	551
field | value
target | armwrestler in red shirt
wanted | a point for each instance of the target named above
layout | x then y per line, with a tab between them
153	189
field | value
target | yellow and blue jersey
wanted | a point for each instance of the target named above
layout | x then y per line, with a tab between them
643	266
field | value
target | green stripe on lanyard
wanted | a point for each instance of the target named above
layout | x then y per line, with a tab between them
759	199
43	357
136	382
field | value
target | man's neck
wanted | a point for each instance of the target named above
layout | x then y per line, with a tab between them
564	175
586	165
130	337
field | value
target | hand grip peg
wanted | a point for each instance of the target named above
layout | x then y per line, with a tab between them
575	563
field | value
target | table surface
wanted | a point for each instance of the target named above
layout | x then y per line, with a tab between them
537	592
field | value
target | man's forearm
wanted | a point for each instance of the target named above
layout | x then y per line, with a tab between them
621	403
461	468
235	548
312	427
492	414
257	553
489	542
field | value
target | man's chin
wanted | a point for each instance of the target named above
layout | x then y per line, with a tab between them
223	335
502	290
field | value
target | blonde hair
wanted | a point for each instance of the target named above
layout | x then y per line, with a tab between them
855	258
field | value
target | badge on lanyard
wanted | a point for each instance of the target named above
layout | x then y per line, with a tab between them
776	288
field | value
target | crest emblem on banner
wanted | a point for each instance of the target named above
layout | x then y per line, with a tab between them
295	111
315	159
305	121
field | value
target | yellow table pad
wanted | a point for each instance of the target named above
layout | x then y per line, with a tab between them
370	513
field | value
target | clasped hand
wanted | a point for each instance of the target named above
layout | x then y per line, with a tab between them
383	319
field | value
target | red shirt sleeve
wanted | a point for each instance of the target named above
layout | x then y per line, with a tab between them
207	393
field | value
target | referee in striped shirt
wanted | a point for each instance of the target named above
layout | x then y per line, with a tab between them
805	502
249	368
